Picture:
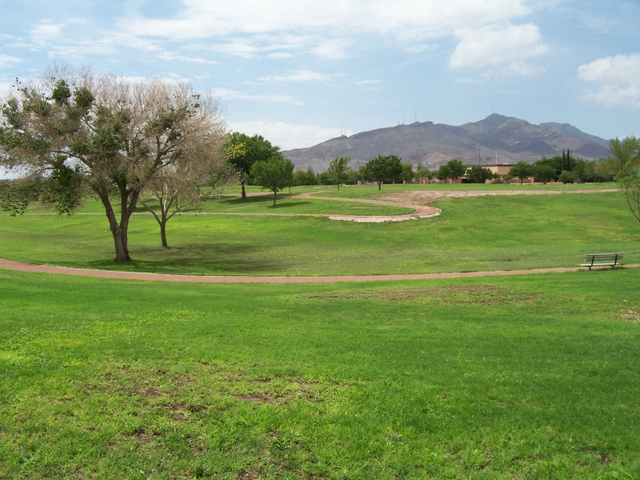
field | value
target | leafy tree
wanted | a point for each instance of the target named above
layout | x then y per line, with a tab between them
544	173
338	169
567	177
625	156
478	174
275	174
454	169
423	172
443	172
105	133
305	177
15	195
382	169
553	162
521	170
601	170
407	173
353	176
243	151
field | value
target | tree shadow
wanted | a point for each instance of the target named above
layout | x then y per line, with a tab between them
288	205
198	259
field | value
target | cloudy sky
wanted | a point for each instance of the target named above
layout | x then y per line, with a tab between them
302	71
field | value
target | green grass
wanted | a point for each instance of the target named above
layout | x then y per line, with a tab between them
531	377
472	234
255	204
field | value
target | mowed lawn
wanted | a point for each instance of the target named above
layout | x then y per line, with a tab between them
472	234
533	377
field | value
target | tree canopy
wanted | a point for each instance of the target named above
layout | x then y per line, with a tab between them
243	151
451	170
625	158
383	169
478	174
275	174
338	169
105	133
521	170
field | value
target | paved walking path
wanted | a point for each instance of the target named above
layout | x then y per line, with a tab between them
164	277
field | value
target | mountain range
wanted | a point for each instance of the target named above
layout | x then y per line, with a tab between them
496	139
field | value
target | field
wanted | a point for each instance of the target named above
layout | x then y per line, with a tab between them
473	234
534	376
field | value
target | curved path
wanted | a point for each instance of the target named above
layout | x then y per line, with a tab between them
419	211
163	277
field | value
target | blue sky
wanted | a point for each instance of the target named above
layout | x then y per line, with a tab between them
300	72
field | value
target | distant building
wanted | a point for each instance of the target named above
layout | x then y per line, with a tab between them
501	169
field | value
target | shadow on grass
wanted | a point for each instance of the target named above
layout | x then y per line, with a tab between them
287	205
198	259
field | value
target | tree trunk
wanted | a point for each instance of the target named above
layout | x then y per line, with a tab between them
163	233
118	230
274	198
379	185
244	193
119	238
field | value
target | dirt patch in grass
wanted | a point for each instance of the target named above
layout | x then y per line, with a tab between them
630	315
207	387
489	295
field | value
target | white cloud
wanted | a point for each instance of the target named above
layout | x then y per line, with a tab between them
7	61
302	76
46	31
203	18
331	49
172	57
5	88
618	80
288	136
261	97
331	24
506	46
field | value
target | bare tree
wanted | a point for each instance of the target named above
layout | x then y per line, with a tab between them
110	134
201	174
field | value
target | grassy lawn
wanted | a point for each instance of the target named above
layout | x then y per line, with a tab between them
254	204
532	377
472	234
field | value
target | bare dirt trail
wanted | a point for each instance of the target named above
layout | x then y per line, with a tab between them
422	197
162	277
419	211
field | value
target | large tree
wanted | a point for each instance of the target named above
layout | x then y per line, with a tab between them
106	133
625	160
338	169
478	174
452	170
383	169
275	174
521	170
243	151
543	172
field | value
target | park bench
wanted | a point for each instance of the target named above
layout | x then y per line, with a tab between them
602	260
